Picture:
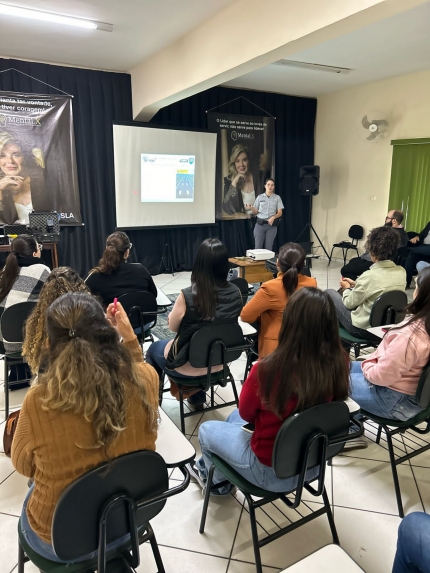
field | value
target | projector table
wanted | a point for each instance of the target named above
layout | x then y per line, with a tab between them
252	271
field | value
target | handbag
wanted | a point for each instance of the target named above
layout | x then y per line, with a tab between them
9	432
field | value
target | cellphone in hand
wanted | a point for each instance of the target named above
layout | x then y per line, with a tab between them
248	428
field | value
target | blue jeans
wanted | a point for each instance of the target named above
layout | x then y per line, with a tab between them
413	545
416	254
422	265
380	400
228	441
45	549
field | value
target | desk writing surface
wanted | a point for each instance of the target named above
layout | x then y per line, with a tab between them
247	329
329	559
377	330
171	443
162	299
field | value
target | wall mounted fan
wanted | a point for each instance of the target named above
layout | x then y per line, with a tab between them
375	124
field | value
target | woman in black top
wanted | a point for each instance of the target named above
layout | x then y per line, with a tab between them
114	276
209	299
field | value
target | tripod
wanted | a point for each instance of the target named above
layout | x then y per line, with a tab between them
311	228
166	257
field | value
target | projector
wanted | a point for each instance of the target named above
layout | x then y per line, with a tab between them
260	254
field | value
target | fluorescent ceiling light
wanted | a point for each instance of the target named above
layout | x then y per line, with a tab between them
314	67
56	18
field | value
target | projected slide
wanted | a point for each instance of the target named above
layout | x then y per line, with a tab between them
167	178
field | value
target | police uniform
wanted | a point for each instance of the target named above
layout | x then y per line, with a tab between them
267	206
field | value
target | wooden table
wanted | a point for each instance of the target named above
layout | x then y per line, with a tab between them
46	247
252	271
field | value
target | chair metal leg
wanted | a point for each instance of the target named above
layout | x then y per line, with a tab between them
394	472
212	397
155	550
378	435
254	532
21	558
331	254
330	517
181	409
236	396
6	388
206	501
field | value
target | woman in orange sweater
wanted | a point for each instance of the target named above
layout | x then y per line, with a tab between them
269	301
95	401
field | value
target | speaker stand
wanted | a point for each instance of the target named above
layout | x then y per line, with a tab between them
311	228
166	260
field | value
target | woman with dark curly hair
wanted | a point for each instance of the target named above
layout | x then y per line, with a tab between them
354	305
61	281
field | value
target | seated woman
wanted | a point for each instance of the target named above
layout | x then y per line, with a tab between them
209	298
96	400
386	382
21	279
113	276
269	302
61	281
278	386
353	307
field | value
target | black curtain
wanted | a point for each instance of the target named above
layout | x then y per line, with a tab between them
294	147
104	97
99	99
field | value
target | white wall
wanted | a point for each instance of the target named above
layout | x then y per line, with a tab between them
353	169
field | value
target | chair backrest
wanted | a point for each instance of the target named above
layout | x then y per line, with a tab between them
242	285
356	232
203	341
75	526
388	308
289	451
422	395
136	303
13	320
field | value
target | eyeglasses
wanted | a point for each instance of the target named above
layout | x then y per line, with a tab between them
39	247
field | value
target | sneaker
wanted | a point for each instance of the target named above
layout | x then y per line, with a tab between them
195	475
357	444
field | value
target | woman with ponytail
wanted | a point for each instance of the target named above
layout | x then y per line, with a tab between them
113	277
267	306
21	279
96	400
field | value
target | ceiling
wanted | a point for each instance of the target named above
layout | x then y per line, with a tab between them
395	46
141	28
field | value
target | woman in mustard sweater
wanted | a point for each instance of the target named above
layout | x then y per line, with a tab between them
96	400
269	302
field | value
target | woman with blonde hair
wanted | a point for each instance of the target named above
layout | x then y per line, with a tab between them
239	185
61	281
96	400
114	276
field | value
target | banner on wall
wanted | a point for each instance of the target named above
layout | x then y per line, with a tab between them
245	159
37	158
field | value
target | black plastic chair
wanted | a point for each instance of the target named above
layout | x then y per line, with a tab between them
305	440
119	497
12	328
393	427
142	310
242	285
212	345
387	309
355	233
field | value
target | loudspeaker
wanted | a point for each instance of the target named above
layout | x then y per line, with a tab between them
309	179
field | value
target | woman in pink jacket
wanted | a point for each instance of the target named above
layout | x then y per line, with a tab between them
386	382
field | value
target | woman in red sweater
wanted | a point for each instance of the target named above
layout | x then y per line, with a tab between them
309	367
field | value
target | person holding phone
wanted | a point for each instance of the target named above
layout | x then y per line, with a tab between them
277	387
268	207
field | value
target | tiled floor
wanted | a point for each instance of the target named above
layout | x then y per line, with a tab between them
359	486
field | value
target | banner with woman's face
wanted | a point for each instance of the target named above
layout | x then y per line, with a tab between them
37	158
245	159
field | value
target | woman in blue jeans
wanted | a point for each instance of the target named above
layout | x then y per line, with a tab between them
309	367
413	544
386	382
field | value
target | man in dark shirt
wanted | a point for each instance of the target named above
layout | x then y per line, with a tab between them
419	251
358	265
